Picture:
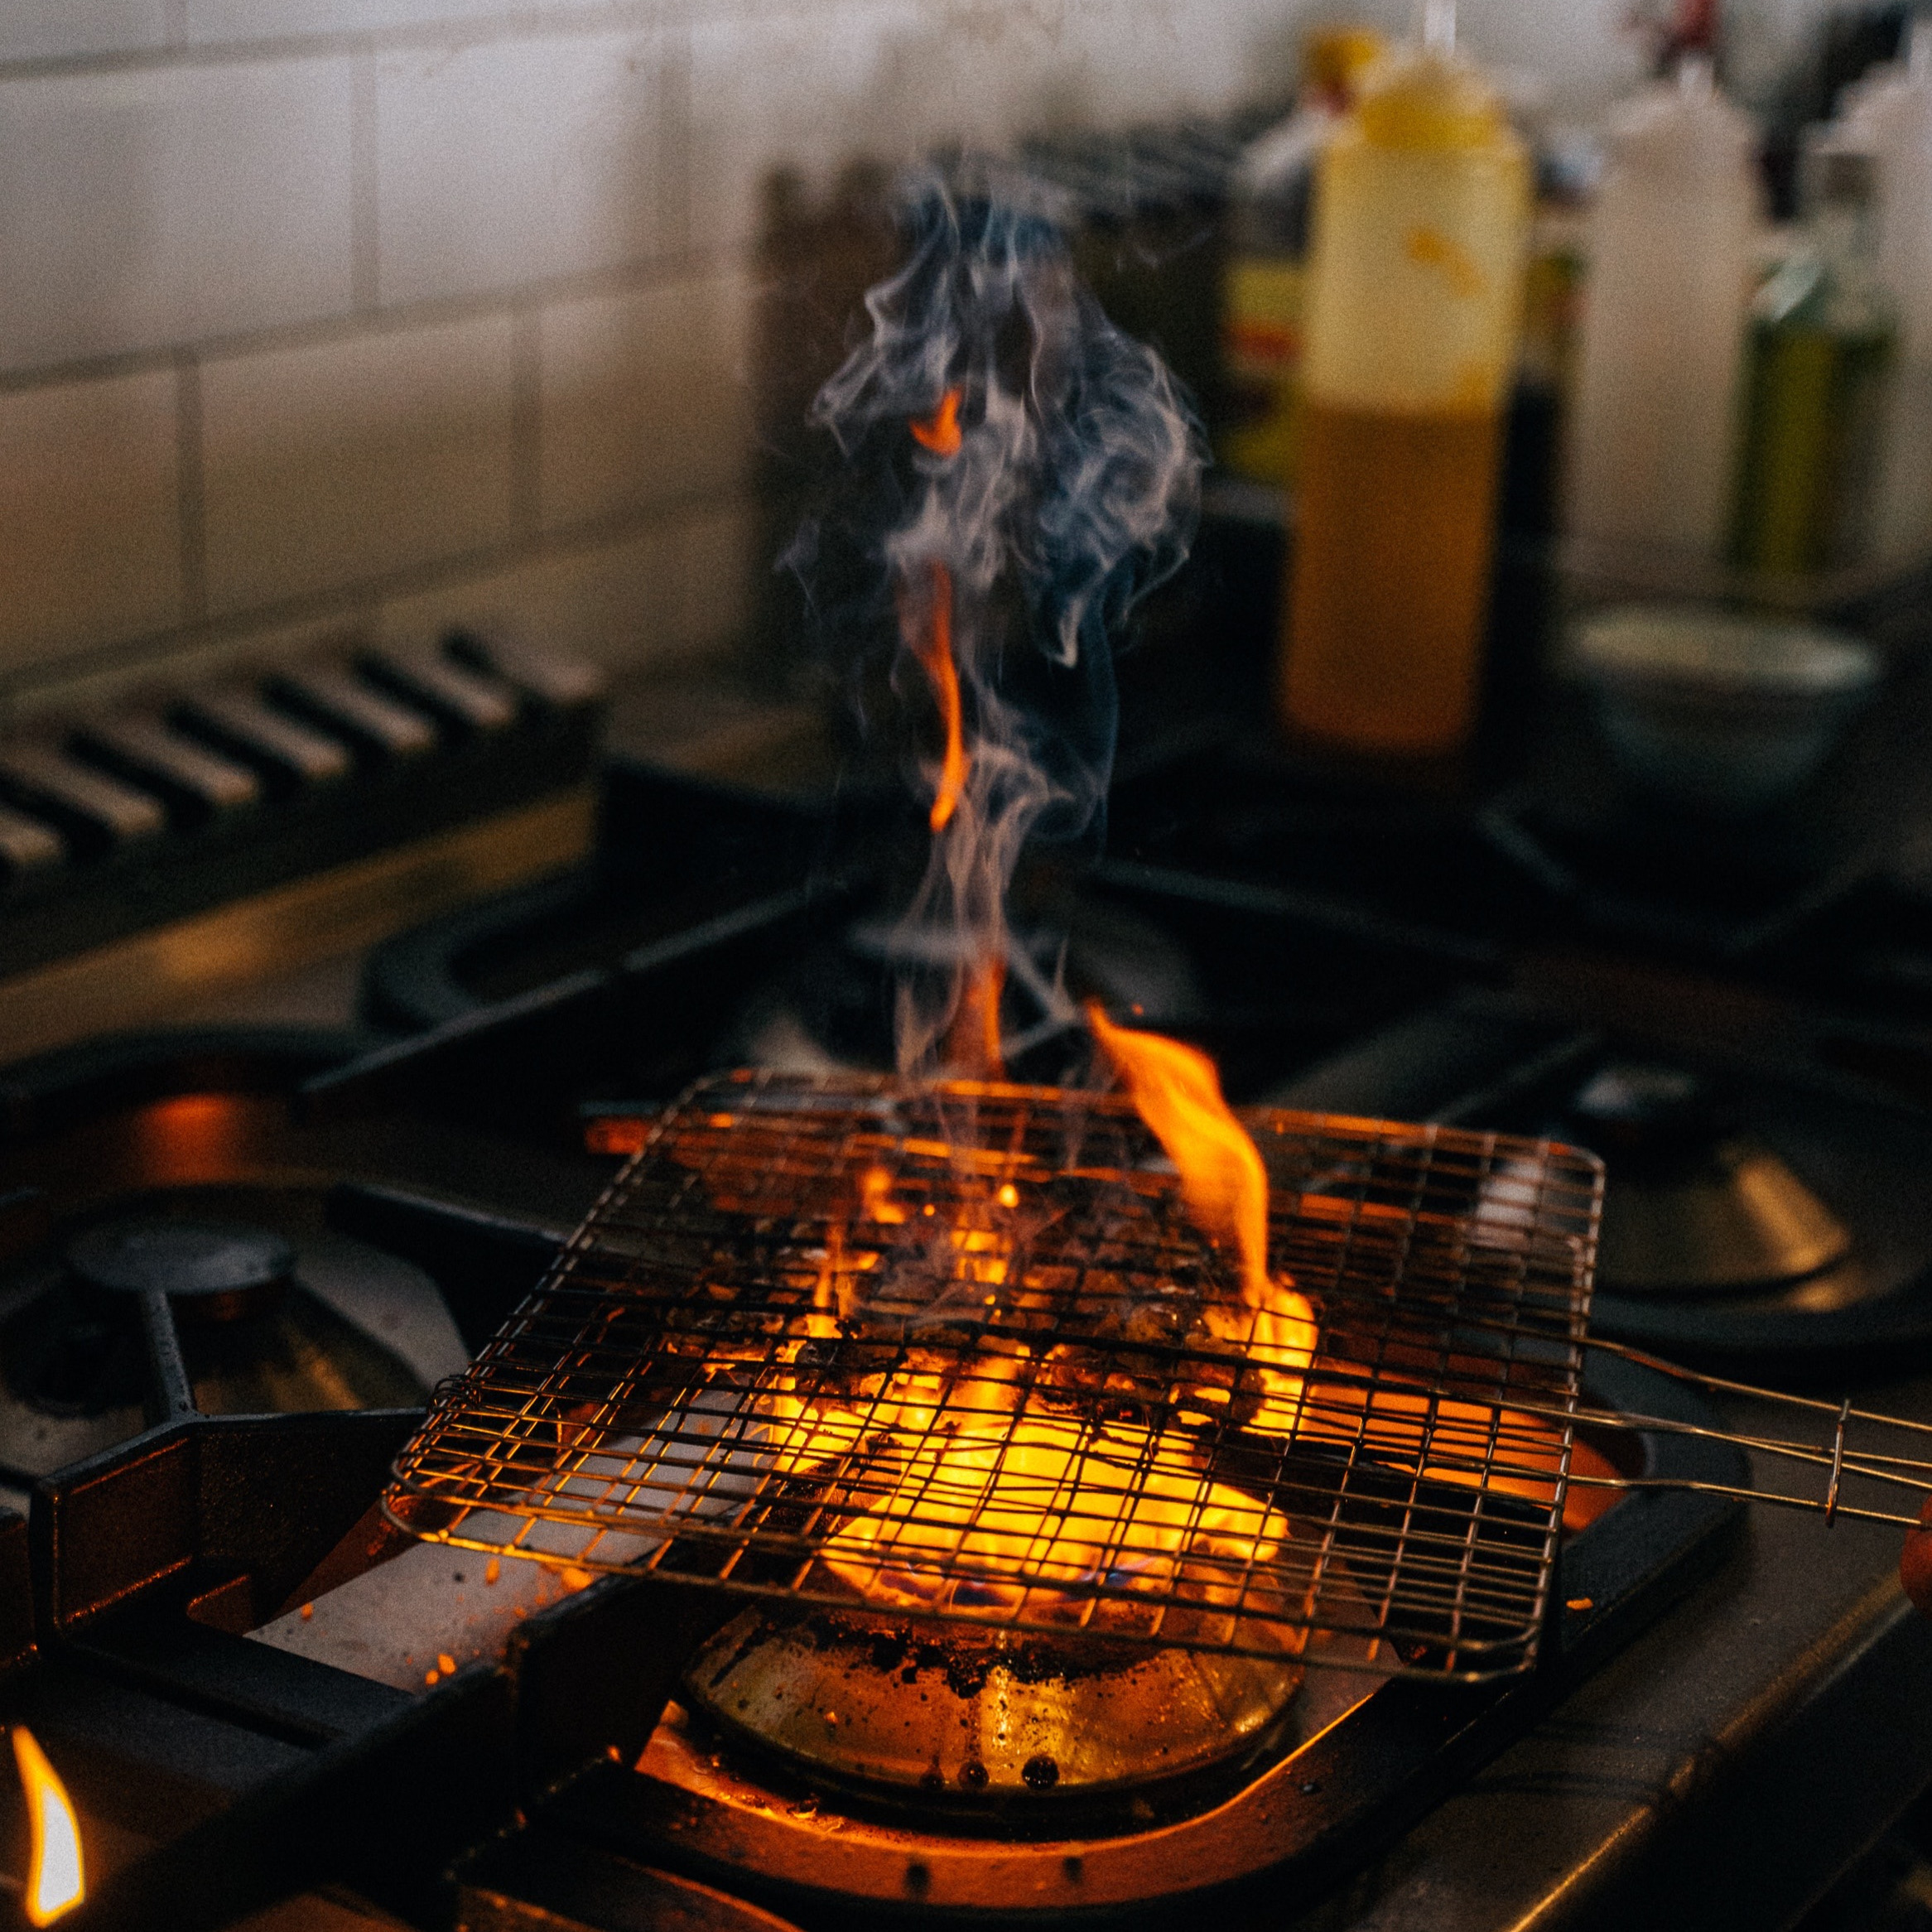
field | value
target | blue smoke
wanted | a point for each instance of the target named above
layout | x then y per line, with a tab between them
1074	491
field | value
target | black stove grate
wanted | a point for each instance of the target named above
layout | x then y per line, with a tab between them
959	1350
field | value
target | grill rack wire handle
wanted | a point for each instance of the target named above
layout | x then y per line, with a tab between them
1835	1454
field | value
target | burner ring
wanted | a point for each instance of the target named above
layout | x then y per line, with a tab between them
211	1271
946	1720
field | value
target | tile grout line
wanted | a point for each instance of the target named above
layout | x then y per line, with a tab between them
192	482
331	606
364	187
619	278
174	47
675	134
527	420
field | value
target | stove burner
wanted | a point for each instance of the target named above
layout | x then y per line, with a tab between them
1692	1206
1346	1762
956	1719
1645	1112
211	1271
271	1310
831	1010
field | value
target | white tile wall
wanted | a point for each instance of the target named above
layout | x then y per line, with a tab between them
459	300
1116	59
148	207
644	398
805	88
90	501
614	602
802	90
515	161
40	30
713	570
346	460
215	21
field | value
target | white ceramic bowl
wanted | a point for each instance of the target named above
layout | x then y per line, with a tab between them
1720	713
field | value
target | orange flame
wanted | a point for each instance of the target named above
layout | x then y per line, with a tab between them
929	635
949	1484
946	1487
54	1881
876	1185
939	432
972	1043
1057	1503
1177	1092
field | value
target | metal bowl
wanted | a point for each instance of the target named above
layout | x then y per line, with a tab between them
1717	712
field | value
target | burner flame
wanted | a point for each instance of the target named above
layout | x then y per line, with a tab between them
949	1476
947	1484
54	1884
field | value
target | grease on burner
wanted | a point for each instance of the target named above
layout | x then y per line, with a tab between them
983	1717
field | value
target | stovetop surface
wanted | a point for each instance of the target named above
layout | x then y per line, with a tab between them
1717	1769
1715	1773
1721	1769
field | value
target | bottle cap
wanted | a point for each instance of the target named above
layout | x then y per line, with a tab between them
1681	127
1429	98
1334	58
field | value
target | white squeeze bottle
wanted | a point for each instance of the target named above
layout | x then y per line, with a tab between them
1891	117
1669	261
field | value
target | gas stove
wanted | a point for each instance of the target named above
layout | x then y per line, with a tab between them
238	1262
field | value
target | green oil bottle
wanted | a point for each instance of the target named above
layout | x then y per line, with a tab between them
1818	363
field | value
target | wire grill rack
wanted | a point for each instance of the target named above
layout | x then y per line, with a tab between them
959	1351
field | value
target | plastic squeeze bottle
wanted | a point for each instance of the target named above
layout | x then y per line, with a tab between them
1891	117
1670	254
1270	203
1414	290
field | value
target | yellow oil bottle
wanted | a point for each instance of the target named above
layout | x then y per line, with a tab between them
1421	217
1270	204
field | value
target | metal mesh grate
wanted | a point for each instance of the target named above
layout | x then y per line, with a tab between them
959	1350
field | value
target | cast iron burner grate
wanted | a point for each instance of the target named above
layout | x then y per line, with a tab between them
959	1350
